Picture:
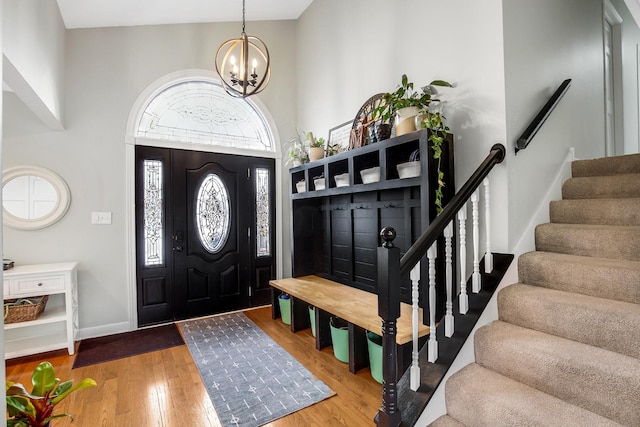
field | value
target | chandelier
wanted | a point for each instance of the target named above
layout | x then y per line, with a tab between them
243	64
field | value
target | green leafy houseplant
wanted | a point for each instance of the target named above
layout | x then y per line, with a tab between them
35	409
405	96
439	130
316	142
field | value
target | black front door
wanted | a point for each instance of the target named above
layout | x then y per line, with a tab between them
210	245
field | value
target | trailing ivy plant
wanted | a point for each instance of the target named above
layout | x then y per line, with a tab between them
439	132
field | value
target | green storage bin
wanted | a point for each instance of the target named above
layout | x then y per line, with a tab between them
340	338
312	319
285	309
374	345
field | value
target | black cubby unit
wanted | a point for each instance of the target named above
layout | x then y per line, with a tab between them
335	231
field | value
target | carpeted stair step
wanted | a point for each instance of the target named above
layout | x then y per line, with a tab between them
477	396
582	275
596	211
606	241
602	187
592	378
606	166
446	421
604	323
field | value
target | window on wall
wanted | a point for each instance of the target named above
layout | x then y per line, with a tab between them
201	112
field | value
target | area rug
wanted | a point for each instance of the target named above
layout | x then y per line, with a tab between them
118	346
250	379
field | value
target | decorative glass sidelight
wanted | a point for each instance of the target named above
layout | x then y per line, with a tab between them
263	233
213	213
153	213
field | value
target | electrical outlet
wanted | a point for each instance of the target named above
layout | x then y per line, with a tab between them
101	218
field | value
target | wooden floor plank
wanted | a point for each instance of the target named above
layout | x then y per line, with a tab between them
164	388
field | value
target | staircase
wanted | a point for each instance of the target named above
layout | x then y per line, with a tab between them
566	348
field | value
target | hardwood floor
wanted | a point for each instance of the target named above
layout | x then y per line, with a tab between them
164	389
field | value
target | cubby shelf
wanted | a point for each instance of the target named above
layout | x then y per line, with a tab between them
335	230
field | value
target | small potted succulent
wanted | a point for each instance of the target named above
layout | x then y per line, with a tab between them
35	409
316	147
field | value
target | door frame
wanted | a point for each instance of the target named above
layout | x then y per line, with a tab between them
131	141
611	17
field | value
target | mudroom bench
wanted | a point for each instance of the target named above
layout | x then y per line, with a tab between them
357	307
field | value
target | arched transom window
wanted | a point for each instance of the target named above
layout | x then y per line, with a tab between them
201	112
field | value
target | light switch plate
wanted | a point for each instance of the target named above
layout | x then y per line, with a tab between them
101	218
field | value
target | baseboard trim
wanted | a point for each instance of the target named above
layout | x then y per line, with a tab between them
101	331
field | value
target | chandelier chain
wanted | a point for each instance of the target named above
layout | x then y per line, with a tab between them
243	16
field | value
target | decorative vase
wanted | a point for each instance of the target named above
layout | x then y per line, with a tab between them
296	162
405	120
316	153
383	131
371	134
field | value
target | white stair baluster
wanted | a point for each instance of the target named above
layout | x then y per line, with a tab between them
463	299
448	317
415	295
488	256
432	254
475	278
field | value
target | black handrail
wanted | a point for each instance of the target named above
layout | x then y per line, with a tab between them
541	117
424	242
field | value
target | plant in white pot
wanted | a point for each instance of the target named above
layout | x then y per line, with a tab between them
404	104
316	147
297	151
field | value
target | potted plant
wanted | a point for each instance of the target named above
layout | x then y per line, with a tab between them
316	147
35	409
297	152
405	103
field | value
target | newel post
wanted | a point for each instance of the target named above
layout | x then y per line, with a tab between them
389	311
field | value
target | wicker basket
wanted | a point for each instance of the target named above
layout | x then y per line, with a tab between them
24	312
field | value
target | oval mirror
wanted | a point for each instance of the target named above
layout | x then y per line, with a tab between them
33	197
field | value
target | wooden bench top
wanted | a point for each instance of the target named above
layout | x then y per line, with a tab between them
353	305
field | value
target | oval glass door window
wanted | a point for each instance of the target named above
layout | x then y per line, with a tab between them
213	213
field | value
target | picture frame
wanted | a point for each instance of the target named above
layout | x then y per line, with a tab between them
339	136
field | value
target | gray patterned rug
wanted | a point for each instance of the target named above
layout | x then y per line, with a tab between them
250	379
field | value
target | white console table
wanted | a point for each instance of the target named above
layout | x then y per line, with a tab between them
57	326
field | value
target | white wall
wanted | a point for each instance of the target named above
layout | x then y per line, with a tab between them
106	70
351	50
546	42
3	423
33	56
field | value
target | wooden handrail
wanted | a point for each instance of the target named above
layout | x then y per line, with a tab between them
541	117
424	242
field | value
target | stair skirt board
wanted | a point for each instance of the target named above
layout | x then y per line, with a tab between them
565	350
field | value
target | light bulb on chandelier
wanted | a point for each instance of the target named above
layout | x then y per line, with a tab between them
235	76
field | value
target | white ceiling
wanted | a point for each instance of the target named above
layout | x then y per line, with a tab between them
116	13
